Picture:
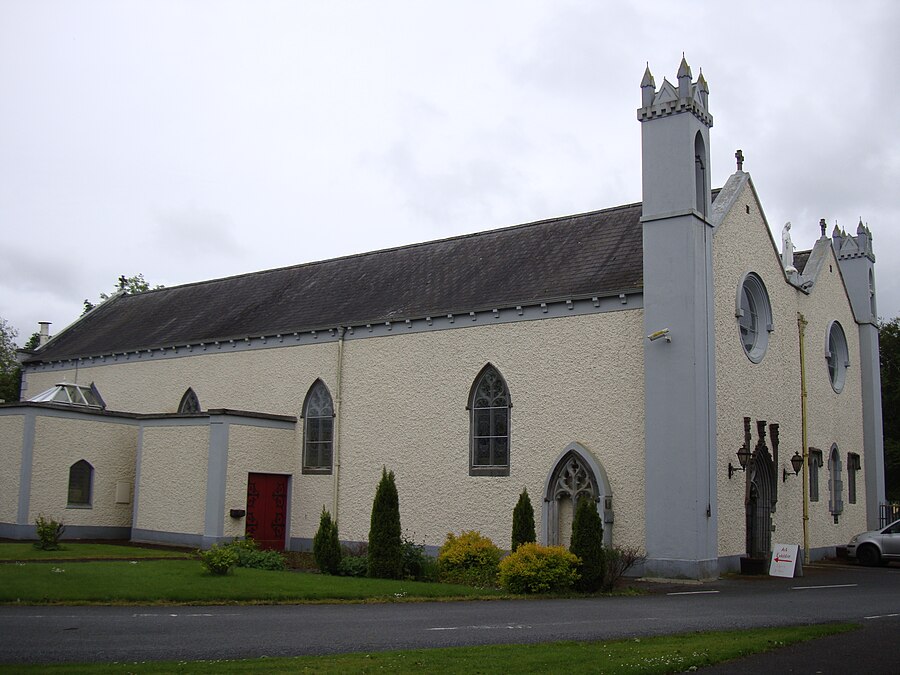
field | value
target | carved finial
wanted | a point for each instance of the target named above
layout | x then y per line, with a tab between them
822	226
739	156
860	228
684	70
701	83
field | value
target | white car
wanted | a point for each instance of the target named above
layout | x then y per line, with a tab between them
876	547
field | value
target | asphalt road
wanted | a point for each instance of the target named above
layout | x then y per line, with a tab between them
92	634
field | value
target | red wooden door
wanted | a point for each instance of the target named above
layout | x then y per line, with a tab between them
267	509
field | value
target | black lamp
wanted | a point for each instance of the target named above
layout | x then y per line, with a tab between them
743	456
796	464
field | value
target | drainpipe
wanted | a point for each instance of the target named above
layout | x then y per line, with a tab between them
801	325
336	459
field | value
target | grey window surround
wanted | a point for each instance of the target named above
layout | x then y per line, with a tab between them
815	462
190	404
837	356
318	430
754	314
835	483
81	485
853	466
490	416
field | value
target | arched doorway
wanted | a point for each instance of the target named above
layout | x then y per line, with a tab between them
575	474
760	503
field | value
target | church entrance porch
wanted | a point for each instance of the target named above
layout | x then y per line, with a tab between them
267	496
576	474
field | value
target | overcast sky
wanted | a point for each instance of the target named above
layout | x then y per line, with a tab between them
193	140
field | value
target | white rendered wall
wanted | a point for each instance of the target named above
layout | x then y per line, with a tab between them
254	449
576	378
404	407
59	442
172	489
12	427
770	390
833	418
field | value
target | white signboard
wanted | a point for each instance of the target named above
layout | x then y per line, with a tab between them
785	561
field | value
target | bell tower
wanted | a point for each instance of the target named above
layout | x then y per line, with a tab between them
856	259
679	349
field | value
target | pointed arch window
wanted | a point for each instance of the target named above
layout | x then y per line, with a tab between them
190	404
489	408
81	483
835	484
318	430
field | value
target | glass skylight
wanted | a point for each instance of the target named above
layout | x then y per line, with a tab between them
71	394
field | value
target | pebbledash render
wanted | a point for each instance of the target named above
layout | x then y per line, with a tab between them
625	355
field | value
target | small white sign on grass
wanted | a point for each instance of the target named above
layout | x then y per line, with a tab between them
785	561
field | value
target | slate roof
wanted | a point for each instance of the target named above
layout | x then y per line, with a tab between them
598	253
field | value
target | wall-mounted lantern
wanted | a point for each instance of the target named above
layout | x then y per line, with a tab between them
743	456
237	513
796	465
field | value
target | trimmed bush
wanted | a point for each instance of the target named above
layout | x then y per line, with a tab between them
48	533
523	521
587	544
532	568
353	566
261	560
618	560
385	561
326	546
218	560
471	559
416	564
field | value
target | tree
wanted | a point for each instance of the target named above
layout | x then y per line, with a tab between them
326	546
889	347
587	544
523	521
10	371
131	286
385	561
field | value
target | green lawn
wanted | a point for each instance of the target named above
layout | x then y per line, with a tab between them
670	654
184	581
26	551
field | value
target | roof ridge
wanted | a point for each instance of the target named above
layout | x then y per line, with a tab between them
402	247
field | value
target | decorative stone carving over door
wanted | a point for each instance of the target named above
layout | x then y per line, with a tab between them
761	490
575	474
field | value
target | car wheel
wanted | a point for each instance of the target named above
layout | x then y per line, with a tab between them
868	555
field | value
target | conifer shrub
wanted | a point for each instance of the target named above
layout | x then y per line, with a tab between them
533	568
48	533
523	521
326	545
587	544
385	560
471	559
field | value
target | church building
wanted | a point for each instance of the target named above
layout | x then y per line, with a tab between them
703	384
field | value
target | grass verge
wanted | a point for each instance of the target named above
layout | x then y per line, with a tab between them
25	551
185	582
669	654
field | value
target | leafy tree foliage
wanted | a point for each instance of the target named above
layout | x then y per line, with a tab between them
131	286
587	544
10	372
385	559
523	521
889	340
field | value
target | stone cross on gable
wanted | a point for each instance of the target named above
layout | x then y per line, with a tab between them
739	156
